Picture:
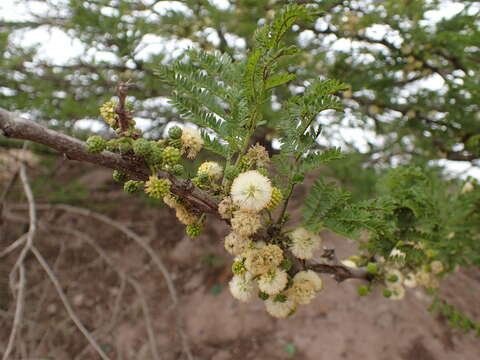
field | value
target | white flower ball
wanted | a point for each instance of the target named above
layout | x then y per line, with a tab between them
251	191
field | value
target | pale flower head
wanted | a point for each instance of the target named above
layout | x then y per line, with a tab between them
192	142
245	223
273	281
393	277
263	260
468	187
242	287
280	309
259	155
410	280
212	169
251	191
310	276
236	244
302	290
437	267
304	243
398	292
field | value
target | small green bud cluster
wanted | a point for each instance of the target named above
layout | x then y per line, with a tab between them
157	188
119	176
142	147
95	144
171	156
132	186
194	230
175	132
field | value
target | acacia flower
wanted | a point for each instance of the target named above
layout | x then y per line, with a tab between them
280	309
304	243
410	280
304	288
273	281
393	277
192	142
398	292
251	191
263	260
236	244
242	287
311	276
212	169
259	155
245	223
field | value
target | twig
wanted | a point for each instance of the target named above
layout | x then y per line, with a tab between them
22	279
138	289
340	272
16	127
66	303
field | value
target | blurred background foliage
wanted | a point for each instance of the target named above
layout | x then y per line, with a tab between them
412	66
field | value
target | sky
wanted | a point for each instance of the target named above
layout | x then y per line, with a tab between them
59	48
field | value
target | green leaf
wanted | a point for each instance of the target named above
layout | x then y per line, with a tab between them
278	79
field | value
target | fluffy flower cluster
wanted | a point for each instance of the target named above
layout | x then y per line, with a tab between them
304	243
245	223
192	142
258	155
251	191
212	169
396	280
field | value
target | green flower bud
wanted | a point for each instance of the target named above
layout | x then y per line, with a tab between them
142	147
157	188
132	186
171	156
175	132
387	293
156	155
176	143
276	199
177	170
363	290
280	298
95	144
245	164
372	268
194	230
119	176
238	267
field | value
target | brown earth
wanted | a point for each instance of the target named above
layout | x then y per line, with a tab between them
339	324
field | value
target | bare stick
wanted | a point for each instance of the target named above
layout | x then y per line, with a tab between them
138	289
66	303
19	264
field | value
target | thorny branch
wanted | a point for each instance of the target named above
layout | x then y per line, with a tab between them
17	127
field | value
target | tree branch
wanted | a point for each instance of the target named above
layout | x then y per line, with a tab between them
16	127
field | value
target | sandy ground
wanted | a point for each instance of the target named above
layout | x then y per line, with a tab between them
339	324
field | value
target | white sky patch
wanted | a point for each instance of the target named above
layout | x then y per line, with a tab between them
56	47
